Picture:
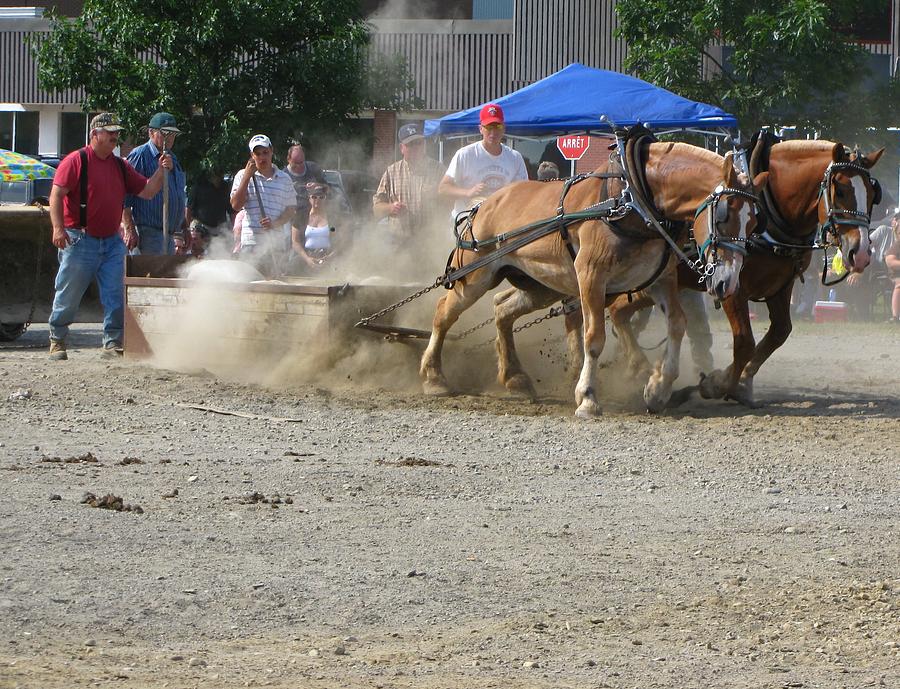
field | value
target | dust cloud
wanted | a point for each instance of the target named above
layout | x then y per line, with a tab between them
219	327
215	325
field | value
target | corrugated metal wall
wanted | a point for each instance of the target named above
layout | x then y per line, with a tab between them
456	64
453	71
550	34
895	38
18	74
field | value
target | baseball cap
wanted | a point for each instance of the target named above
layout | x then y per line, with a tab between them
164	120
409	133
491	114
260	140
106	121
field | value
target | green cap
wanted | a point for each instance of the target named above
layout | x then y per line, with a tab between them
164	120
106	121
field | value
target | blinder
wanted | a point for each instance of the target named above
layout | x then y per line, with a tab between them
721	212
876	187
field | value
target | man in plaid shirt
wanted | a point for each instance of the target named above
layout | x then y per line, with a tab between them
407	193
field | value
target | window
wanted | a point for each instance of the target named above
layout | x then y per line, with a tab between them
27	132
492	9
6	130
19	132
73	132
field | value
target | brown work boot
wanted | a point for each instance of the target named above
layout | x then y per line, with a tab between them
58	350
112	349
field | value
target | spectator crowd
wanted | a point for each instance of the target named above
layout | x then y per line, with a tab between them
284	220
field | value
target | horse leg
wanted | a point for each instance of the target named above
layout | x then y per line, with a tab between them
449	308
720	383
508	306
659	387
620	312
592	290
574	321
779	306
698	332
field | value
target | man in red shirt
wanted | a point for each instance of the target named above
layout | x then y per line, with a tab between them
86	231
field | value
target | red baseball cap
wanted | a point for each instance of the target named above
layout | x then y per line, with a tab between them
491	114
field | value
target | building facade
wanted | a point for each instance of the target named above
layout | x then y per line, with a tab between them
460	52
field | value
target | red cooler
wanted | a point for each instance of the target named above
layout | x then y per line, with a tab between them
830	312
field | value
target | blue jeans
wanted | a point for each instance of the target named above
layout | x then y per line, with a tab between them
83	260
151	241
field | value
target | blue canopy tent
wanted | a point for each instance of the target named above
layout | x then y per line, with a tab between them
574	98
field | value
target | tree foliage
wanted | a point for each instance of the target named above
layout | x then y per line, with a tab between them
224	68
783	62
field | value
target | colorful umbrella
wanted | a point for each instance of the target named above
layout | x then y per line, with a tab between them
15	167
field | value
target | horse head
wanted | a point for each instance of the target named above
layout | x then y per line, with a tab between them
847	197
722	224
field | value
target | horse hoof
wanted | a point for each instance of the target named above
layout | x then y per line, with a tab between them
588	410
520	386
708	388
435	388
742	396
657	392
655	405
681	396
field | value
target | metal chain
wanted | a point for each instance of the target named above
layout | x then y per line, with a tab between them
479	326
552	313
363	322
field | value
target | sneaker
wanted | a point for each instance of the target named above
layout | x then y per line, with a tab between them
58	350
112	349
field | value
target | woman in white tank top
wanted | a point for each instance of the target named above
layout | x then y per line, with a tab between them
313	244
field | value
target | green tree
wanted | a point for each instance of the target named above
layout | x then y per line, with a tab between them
783	62
224	68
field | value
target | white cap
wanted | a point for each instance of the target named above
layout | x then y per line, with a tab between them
260	140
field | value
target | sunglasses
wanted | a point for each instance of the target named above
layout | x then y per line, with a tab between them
317	196
493	127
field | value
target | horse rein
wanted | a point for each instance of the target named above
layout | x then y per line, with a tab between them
611	209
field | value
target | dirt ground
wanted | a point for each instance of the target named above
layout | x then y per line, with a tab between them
362	535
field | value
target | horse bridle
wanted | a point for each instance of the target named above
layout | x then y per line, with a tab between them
718	215
836	218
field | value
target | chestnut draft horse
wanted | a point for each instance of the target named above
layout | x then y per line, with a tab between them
815	189
610	257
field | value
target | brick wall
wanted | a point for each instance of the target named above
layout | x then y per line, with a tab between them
596	154
384	150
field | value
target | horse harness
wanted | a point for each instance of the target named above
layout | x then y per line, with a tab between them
773	235
635	198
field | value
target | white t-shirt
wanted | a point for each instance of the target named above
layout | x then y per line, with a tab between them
473	164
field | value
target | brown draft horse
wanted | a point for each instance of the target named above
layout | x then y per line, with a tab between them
808	181
610	258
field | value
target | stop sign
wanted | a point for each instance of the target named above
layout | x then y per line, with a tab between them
573	146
